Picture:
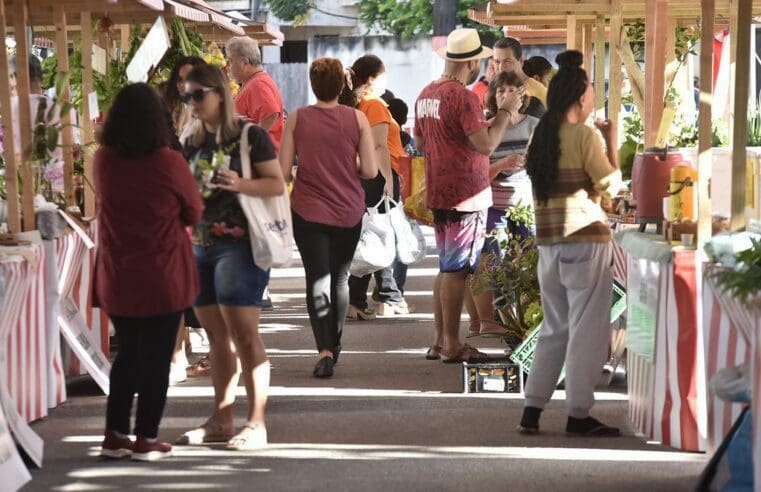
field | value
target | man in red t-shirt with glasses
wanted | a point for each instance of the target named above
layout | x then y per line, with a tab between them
451	131
259	98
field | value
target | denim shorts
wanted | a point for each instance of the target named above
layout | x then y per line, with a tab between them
460	238
228	275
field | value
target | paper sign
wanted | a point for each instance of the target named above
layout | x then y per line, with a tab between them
92	99
12	469
150	52
83	343
99	59
642	297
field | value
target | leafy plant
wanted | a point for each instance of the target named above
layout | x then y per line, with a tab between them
743	282
514	277
754	126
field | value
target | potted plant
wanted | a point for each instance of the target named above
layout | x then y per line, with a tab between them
513	276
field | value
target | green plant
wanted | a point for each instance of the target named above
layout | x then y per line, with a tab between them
513	276
754	126
743	282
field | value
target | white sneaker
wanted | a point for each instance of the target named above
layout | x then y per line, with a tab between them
177	373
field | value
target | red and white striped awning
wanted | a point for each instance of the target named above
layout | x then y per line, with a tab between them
218	17
153	4
185	12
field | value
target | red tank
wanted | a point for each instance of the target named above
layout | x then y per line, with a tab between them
651	174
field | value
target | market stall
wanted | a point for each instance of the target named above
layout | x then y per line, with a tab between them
667	379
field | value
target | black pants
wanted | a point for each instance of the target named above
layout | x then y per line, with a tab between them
142	367
326	253
385	279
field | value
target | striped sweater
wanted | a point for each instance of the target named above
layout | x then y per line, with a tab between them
585	177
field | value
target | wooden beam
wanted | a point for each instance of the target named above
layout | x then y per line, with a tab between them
616	78
656	23
588	49
738	109
600	67
572	43
705	158
11	170
87	123
20	25
124	31
67	131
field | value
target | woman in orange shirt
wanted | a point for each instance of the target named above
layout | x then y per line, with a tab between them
368	82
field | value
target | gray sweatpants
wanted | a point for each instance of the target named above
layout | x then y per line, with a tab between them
576	287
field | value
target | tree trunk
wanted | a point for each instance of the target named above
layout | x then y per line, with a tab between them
444	16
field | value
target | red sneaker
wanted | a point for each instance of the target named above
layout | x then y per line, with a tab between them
145	450
114	446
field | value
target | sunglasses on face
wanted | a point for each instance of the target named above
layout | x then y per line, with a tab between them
197	95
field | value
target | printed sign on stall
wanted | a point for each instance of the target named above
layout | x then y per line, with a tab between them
12	469
642	314
150	52
83	343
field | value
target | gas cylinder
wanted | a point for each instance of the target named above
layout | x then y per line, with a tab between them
684	179
651	176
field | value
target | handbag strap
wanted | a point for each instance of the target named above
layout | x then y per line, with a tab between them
245	152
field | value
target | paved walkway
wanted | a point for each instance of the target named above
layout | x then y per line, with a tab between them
388	420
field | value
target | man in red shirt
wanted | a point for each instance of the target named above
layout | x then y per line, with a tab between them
259	98
451	131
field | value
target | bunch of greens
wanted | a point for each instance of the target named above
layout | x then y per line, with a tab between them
743	282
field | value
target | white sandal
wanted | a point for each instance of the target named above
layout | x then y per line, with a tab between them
249	441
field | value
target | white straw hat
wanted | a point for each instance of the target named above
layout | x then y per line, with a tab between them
464	45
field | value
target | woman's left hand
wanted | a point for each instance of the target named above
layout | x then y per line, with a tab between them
227	179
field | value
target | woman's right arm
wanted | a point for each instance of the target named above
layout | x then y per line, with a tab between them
368	167
191	202
288	147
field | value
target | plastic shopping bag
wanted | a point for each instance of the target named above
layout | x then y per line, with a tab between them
269	219
376	249
732	384
410	242
415	206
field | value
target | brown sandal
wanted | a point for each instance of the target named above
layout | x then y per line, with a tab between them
434	353
202	367
466	353
209	432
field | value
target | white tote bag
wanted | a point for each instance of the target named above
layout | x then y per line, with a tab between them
410	241
377	244
269	218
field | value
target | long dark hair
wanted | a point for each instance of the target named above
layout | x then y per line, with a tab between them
537	66
137	122
566	89
171	94
364	67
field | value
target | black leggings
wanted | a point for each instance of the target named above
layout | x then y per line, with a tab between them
326	252
142	367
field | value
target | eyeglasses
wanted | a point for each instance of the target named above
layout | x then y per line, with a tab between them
197	95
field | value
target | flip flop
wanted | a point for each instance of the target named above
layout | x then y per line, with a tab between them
209	432
466	353
249	441
434	353
202	367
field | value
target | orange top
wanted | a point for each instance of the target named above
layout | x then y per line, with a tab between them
377	112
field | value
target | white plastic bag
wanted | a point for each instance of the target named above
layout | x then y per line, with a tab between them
732	384
410	242
377	244
269	219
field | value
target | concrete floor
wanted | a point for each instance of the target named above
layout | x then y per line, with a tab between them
388	419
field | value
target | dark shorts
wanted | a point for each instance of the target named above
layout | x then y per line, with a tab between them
459	238
228	275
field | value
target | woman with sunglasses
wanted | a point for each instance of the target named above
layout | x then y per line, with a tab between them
229	304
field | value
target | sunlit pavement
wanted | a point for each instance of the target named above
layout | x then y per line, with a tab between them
388	420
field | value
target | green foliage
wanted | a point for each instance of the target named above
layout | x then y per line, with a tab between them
289	10
744	281
754	126
515	278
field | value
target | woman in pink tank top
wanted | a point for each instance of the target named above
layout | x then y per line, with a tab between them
327	200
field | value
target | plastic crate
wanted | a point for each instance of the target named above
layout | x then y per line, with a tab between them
524	353
501	377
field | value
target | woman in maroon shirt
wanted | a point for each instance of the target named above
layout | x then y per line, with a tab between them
145	274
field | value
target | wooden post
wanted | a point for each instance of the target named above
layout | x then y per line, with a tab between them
11	172
588	50
20	25
600	67
705	158
739	68
87	123
656	23
67	131
572	43
616	78
124	31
